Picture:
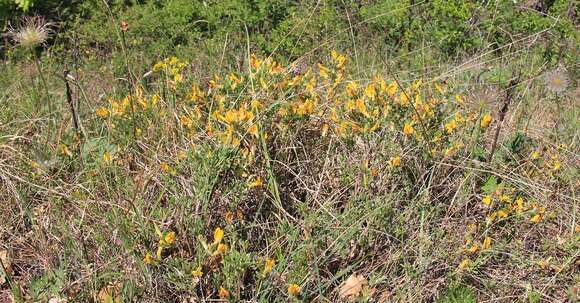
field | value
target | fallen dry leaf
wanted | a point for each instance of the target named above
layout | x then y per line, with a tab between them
7	263
352	287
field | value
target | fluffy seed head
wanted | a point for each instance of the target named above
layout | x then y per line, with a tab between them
556	81
33	32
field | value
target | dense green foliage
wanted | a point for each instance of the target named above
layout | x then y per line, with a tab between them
290	29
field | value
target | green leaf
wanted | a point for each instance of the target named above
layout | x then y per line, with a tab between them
490	185
24	4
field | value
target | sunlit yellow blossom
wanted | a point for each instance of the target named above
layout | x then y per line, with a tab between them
556	165
520	205
255	62
464	263
186	121
502	213
165	167
294	290
339	59
450	126
392	89
197	272
535	155
439	88
536	218
256	105
486	243
352	89
304	108
253	130
220	250
149	260
218	235
107	157
323	70
395	161
223	293
473	249
485	121
361	106
169	238
268	266
371	91
65	151
102	112
408	129
459	99
256	183
487	200
404	98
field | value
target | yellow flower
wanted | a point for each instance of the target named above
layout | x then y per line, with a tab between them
486	243
256	105
196	272
221	249
65	151
505	198
396	161
223	293
520	205
485	121
164	167
535	155
502	213
361	106
102	112
253	130
351	89
459	99
370	91
408	129
324	130
186	121
255	62
404	98
450	126
464	263
256	183
392	89
107	157
536	218
294	290
557	165
439	88
487	200
268	266
169	238
473	249
149	260
339	59
218	235
543	264
323	70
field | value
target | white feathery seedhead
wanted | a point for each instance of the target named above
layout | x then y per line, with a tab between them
556	81
33	32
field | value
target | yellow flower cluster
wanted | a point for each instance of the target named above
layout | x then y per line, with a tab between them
504	205
173	68
166	240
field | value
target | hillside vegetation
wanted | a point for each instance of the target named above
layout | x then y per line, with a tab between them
289	151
